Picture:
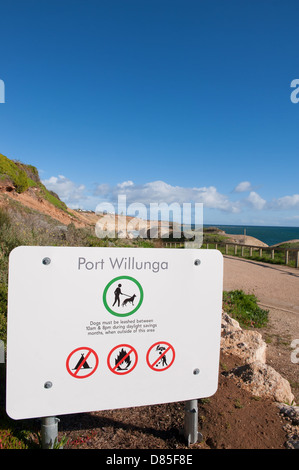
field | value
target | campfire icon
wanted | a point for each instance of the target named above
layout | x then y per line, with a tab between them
123	361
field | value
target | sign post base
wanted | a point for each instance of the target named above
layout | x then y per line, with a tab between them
190	431
49	431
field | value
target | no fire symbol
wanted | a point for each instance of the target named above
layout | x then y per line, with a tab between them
82	363
122	359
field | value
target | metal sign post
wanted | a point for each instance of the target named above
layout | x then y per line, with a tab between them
190	431
49	431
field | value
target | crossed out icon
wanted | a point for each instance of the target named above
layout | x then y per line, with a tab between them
122	359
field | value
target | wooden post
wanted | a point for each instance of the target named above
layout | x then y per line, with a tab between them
286	257
242	250
261	252
236	249
297	259
250	251
272	254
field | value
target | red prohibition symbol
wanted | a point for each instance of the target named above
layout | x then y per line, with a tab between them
122	359
82	362
160	356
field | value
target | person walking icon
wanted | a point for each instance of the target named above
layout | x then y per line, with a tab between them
117	293
122	296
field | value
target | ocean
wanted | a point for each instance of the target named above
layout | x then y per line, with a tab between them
268	235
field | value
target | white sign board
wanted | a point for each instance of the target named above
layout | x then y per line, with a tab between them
103	328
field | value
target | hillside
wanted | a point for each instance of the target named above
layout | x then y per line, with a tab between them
21	188
21	183
216	235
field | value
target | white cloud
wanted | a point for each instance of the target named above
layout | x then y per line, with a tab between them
159	191
256	201
286	202
242	187
125	184
68	191
102	189
78	196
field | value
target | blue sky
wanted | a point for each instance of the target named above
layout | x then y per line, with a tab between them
160	100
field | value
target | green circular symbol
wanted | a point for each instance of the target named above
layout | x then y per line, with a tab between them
123	296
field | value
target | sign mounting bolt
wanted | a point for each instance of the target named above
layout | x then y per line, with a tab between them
46	261
197	262
48	384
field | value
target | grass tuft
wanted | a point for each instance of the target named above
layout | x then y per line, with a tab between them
244	308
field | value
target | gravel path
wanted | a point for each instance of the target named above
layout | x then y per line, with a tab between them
273	285
277	289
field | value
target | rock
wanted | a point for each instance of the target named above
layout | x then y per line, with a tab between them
244	240
228	323
248	345
291	412
256	376
6	185
262	380
293	443
292	435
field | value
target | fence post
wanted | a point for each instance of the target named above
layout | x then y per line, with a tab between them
261	252
272	254
297	259
226	249
286	257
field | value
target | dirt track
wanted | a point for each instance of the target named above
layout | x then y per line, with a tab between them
277	289
272	284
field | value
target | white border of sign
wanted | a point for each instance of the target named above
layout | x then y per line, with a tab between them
55	306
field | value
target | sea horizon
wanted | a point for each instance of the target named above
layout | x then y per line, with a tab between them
269	234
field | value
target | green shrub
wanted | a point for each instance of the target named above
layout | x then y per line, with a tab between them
25	176
14	173
4	218
213	238
30	170
49	196
244	308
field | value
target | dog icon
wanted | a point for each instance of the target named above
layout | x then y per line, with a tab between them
130	299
